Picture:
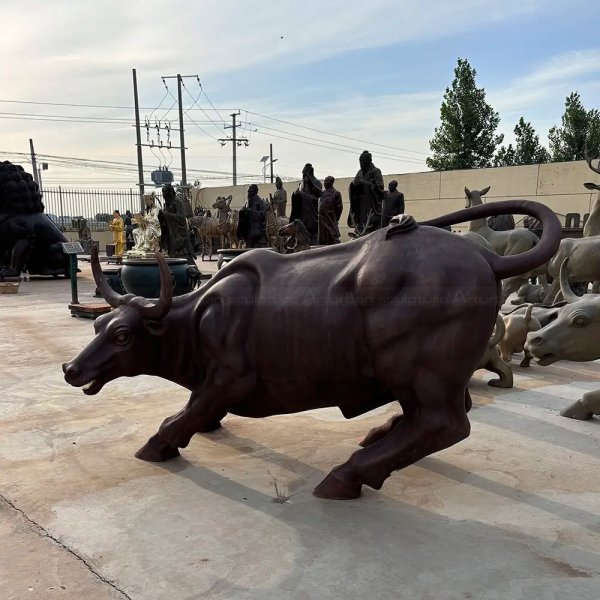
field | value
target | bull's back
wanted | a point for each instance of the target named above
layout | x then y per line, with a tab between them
322	310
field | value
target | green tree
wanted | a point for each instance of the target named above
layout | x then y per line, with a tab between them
527	149
580	127
466	138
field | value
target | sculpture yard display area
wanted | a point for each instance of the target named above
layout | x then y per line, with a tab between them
510	512
360	355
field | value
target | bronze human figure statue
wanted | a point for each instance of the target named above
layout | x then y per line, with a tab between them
28	238
279	200
393	203
174	231
305	201
366	195
252	225
364	324
330	211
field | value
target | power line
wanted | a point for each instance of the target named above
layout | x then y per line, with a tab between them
227	109
353	148
336	134
195	101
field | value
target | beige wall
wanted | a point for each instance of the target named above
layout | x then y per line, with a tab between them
430	194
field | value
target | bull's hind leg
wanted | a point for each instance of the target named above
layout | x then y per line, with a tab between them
434	419
379	432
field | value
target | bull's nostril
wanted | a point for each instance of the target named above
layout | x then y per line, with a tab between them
536	341
70	370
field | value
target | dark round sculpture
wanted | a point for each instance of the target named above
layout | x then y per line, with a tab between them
141	276
28	238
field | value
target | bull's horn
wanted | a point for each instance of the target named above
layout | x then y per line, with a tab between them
161	308
113	298
565	288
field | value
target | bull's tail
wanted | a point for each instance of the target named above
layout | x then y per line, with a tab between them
509	266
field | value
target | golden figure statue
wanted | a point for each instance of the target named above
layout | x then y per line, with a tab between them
118	228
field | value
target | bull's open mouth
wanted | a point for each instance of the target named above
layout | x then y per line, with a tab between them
93	387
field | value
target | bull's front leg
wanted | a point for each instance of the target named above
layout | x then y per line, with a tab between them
585	408
203	412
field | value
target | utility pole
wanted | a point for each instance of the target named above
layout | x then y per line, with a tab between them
272	161
236	142
34	163
181	136
138	141
180	79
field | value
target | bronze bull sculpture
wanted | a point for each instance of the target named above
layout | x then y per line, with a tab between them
403	314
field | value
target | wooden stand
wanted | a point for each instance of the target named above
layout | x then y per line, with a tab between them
90	310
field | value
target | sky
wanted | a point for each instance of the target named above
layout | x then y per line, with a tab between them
319	80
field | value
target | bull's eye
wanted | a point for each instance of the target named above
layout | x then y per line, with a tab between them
122	337
580	321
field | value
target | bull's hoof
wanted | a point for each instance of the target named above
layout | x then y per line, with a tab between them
331	488
578	410
156	451
499	383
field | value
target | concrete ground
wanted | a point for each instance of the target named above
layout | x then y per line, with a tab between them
512	512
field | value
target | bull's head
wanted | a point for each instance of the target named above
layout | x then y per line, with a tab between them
127	341
575	332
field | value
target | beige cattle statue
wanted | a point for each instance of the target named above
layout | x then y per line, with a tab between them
504	243
584	263
573	335
492	361
517	327
592	225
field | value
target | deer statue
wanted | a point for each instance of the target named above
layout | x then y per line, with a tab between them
592	225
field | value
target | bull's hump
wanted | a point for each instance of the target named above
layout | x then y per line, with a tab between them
407	223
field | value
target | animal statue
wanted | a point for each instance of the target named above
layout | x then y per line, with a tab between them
273	226
233	219
517	327
367	323
491	360
530	293
584	263
226	224
543	314
505	243
28	238
365	228
592	225
207	228
296	237
477	239
574	335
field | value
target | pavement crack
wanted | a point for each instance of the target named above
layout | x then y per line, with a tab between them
45	533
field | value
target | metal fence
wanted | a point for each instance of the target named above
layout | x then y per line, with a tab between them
65	205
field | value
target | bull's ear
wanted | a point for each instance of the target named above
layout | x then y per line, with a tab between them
156	327
467	192
484	191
